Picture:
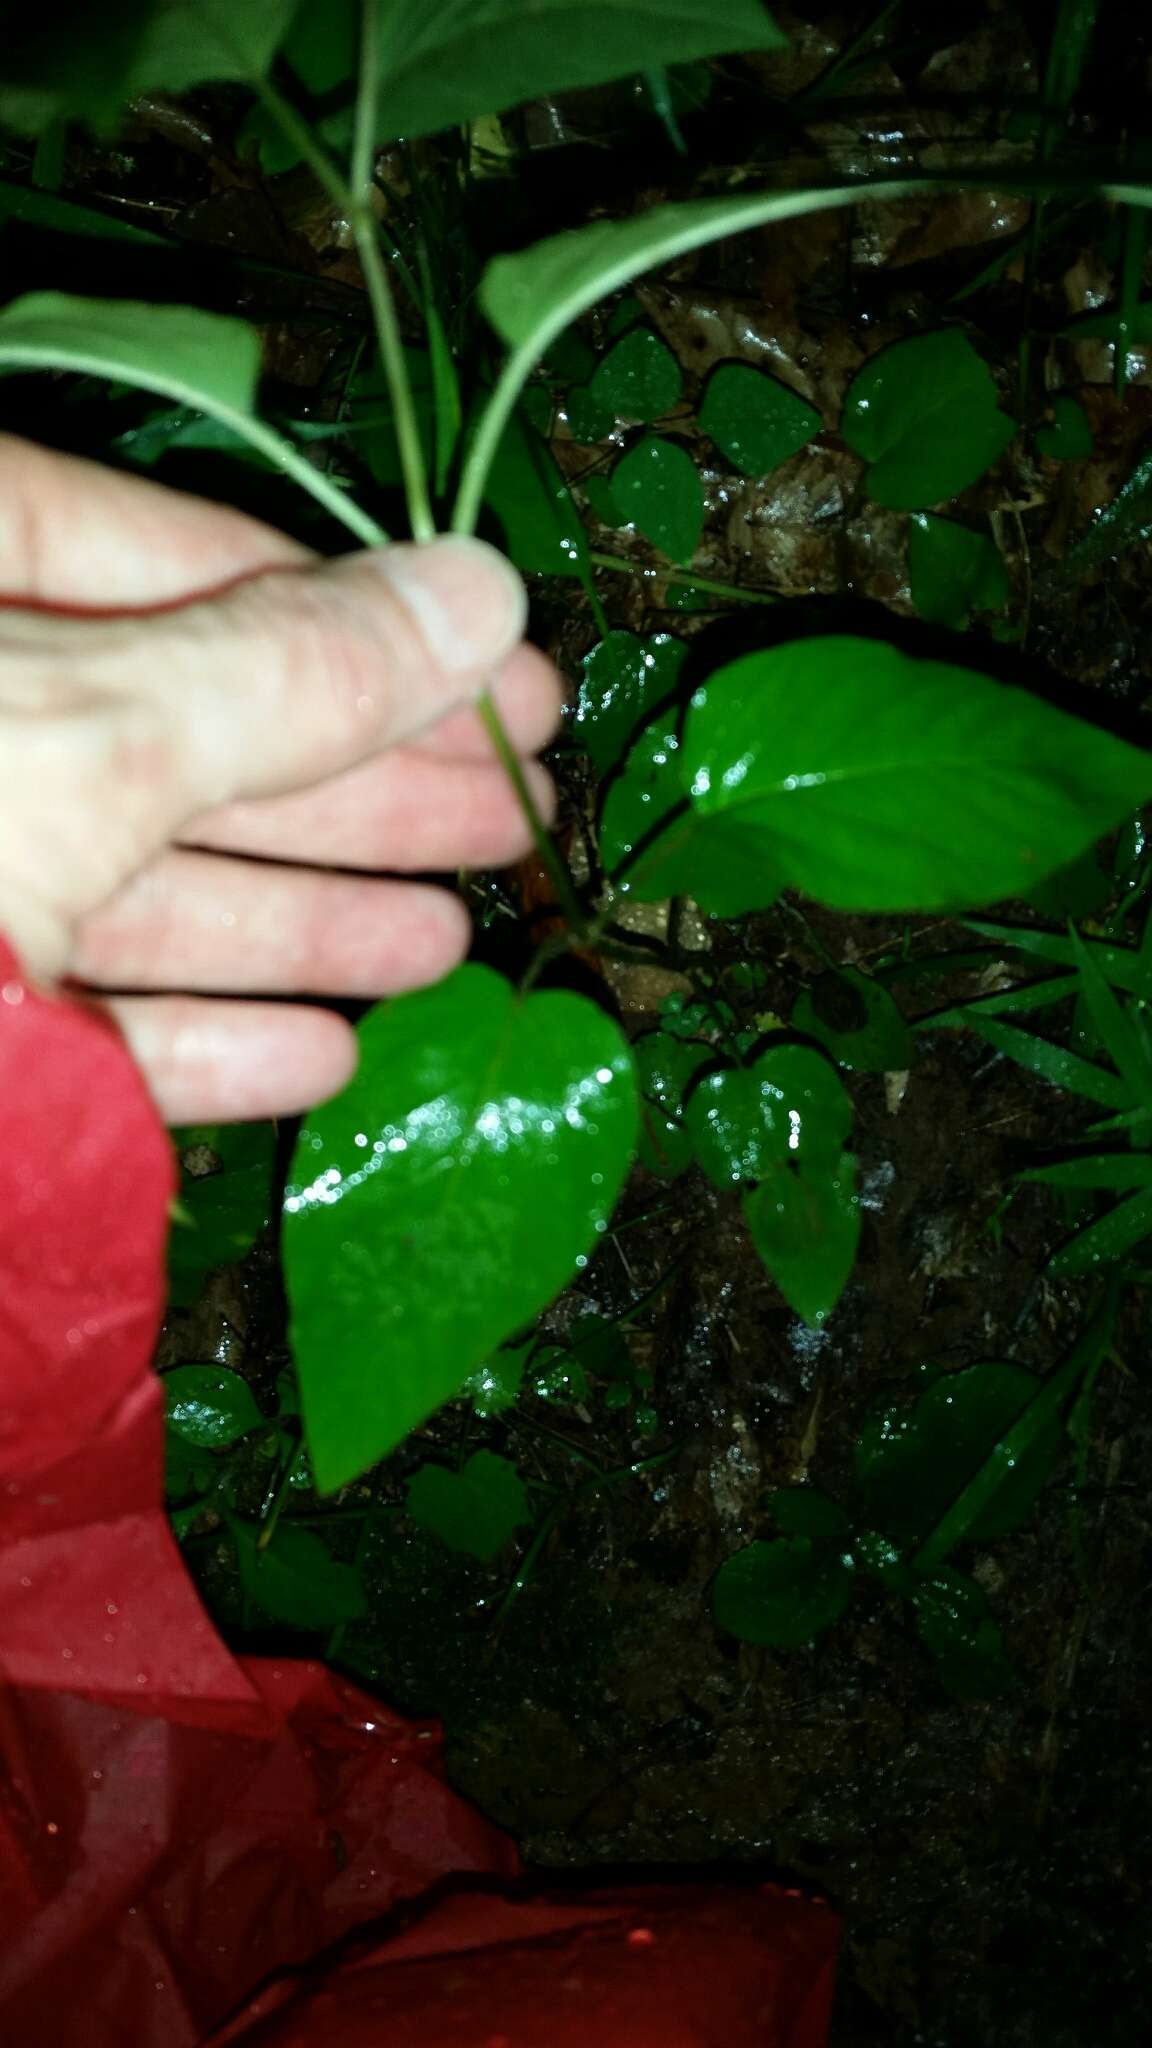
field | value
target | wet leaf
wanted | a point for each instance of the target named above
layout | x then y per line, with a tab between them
588	420
1069	438
782	1594
1051	1062
745	1121
953	1622
664	1067
953	572
1118	526
558	1377
805	1225
638	379
654	845
913	1459
444	63
624	678
1109	1238
208	1406
1096	1170
222	1211
857	1021
1122	1032
494	1386
415	1236
657	489
924	414
755	421
295	1579
477	1510
800	758
601	503
543	532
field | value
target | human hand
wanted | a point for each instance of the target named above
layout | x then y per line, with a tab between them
182	688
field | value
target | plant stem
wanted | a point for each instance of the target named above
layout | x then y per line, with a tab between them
683	576
388	337
549	856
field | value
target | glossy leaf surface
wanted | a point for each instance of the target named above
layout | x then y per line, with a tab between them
208	1406
877	781
656	488
543	532
953	1622
744	1121
638	379
654	845
624	679
477	1510
914	1458
782	1594
857	1022
755	421
295	1579
805	1225
665	1066
415	1235
924	415
953	572
493	1387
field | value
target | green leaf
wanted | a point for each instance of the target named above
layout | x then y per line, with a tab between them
953	1622
601	503
1122	1031
924	414
664	1067
1109	1238
804	1511
876	781
805	1226
755	421
416	1238
493	1387
222	1209
543	532
588	421
203	360
67	217
782	1594
913	1460
1051	1062
857	1021
654	846
658	490
788	1106
444	63
953	572
1121	965
1079	889
208	1406
638	379
477	1510
1069	438
295	1579
1123	524
557	1376
1095	1170
624	678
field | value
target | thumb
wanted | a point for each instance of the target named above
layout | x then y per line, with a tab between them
297	674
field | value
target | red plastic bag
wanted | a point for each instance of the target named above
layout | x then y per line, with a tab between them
179	1828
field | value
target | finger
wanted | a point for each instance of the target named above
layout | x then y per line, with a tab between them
529	697
200	921
288	678
405	810
221	1062
75	533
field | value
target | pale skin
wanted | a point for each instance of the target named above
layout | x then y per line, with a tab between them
182	689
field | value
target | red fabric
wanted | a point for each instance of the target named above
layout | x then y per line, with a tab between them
179	1827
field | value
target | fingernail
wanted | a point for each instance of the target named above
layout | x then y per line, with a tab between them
467	599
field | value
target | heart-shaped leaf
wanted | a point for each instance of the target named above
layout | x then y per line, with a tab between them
924	414
446	1196
744	1121
624	677
638	379
208	1406
654	845
295	1578
477	1510
754	419
877	781
805	1224
857	1022
953	572
784	1593
664	1067
657	489
493	1387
